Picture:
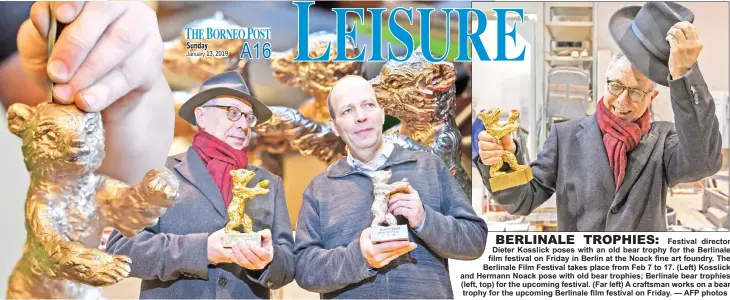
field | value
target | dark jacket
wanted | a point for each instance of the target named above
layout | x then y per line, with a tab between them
573	164
336	209
171	257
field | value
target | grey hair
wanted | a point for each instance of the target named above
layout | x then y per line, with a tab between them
615	58
618	56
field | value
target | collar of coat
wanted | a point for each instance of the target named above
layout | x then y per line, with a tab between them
191	167
399	156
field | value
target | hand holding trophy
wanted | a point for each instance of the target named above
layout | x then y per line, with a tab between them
385	240
500	180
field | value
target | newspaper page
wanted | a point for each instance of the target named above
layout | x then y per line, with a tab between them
551	265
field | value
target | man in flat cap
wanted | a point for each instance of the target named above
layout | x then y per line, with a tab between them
183	256
610	171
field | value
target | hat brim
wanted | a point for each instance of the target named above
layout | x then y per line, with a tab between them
187	111
648	64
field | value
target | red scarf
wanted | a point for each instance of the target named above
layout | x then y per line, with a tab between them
220	158
619	138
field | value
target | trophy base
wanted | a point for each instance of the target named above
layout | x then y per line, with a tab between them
232	238
510	180
381	234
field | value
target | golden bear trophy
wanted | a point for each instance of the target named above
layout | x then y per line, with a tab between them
237	209
521	174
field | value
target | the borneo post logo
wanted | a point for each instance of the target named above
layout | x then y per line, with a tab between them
250	50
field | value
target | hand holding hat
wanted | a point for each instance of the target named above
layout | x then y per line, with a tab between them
657	38
685	47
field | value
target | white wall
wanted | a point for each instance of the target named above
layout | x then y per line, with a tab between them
491	77
711	21
511	84
14	182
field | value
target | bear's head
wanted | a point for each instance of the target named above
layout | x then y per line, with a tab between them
381	177
58	140
241	177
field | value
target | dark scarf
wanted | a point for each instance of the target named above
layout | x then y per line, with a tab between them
220	159
620	137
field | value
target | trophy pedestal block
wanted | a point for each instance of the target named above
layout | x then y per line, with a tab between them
232	238
510	179
381	234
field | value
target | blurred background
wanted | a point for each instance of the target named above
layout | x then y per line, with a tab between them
295	168
568	49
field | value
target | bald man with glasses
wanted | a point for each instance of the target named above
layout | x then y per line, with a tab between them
182	256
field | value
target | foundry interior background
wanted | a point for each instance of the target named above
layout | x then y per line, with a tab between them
568	44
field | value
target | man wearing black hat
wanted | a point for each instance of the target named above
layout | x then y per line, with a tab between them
610	171
183	255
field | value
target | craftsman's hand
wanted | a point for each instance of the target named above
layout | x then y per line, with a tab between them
253	257
107	50
490	151
107	59
408	205
381	254
685	47
217	254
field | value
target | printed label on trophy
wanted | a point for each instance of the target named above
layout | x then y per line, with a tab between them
232	238
390	233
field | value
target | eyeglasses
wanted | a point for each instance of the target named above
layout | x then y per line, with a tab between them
616	88
234	114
